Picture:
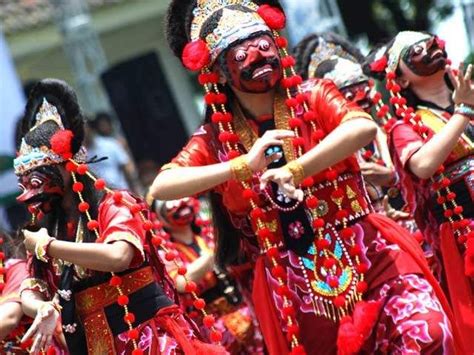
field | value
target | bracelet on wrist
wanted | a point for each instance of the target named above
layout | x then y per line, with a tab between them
465	110
41	248
240	169
296	169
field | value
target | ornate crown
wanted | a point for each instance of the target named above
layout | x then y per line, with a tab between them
234	24
32	157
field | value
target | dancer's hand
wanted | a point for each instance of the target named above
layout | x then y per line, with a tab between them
391	212
256	156
376	174
463	86
31	238
44	326
284	179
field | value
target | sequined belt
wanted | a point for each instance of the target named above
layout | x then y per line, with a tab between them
102	317
354	200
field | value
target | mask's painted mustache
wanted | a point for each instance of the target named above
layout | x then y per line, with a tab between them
248	72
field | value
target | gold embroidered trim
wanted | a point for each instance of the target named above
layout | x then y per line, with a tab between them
127	237
248	136
296	169
34	284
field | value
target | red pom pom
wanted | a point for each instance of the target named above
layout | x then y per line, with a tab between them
293	330
217	117
99	184
182	270
265	233
133	334
170	256
451	196
347	233
92	224
339	301
309	116
298	142
287	61
458	209
307	182
318	135
318	223
129	317
361	286
273	16
283	290
333	282
122	300
135	208
289	312
221	99
312	202
209	321
199	303
337	193
71	167
291	102
331	175
117	197
83	207
148	225
157	241
78	187
249	194
137	352
362	268
61	143
295	123
322	244
273	253
190	287
391	75
281	42
355	250
379	65
278	272
216	336
196	55
257	213
329	263
51	350
342	214
82	169
115	281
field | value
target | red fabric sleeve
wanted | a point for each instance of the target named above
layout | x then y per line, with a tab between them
406	142
331	107
197	151
16	272
116	222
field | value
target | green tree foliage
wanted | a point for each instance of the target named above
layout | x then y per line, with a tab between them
381	19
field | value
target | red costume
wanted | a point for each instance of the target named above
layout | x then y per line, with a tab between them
395	263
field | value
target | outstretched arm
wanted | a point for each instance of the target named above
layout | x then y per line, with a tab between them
180	182
343	141
114	257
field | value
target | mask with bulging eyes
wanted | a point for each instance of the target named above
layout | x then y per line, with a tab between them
426	57
253	65
41	189
180	212
358	93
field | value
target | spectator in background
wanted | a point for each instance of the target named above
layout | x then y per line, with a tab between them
118	169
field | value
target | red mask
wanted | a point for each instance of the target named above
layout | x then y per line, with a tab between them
427	57
41	190
254	65
358	93
181	212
